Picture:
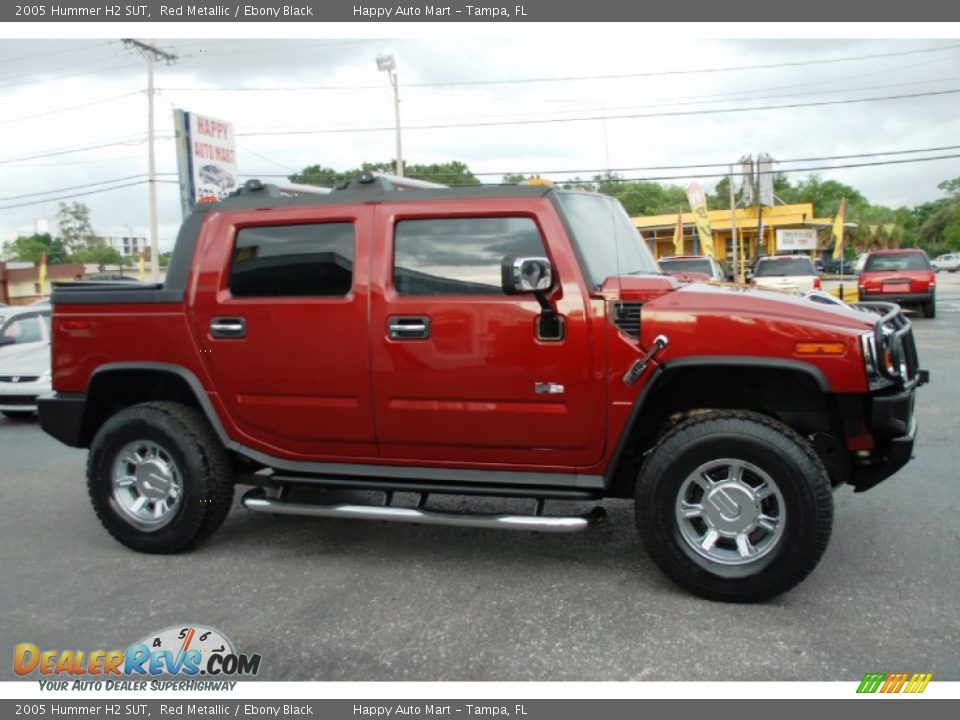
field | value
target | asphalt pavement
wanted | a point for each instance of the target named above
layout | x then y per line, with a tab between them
349	600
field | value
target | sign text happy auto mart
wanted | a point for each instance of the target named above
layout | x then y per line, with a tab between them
77	11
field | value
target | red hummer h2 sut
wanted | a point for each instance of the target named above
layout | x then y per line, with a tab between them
501	341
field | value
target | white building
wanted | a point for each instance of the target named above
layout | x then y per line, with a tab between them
126	242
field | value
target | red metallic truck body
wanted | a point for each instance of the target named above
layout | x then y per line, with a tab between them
317	387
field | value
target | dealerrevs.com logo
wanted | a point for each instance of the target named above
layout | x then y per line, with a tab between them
182	651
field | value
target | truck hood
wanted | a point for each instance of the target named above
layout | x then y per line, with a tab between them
667	294
26	359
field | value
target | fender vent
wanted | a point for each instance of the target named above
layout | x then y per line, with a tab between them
626	316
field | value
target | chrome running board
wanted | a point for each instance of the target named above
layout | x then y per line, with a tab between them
258	501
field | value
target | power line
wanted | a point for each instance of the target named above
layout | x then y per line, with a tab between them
65	51
55	111
74	195
82	194
134	140
576	78
631	116
903	161
73	187
64	77
557	171
615	179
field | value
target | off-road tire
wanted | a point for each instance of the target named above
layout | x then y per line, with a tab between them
202	462
772	447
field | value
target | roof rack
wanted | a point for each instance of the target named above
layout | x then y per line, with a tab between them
378	180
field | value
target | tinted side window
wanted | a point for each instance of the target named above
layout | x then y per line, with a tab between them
293	260
459	256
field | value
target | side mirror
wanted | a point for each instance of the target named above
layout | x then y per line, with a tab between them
525	275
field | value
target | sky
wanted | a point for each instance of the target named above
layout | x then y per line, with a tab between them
537	103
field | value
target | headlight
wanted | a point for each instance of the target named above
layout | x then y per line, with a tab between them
883	356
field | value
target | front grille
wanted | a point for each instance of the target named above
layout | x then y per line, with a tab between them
626	316
18	400
19	378
910	350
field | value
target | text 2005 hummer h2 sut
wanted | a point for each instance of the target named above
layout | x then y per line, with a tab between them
506	341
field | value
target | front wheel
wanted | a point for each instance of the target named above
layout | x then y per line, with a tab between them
734	506
159	478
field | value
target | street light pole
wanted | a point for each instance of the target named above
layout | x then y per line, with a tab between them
151	54
389	64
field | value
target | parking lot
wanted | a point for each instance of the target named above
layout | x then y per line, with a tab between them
340	600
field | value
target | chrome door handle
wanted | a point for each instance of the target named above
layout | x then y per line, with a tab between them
408	328
228	327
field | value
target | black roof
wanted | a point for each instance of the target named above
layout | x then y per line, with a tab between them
257	196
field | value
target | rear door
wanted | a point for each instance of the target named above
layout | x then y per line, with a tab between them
459	373
280	316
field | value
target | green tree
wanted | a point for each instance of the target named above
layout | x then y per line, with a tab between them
102	256
29	248
449	173
951	188
826	195
76	232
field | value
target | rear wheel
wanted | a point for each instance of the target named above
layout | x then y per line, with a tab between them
734	506
159	478
930	309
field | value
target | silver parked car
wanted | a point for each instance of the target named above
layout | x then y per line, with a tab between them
949	262
24	361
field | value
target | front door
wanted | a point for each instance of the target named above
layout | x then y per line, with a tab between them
459	374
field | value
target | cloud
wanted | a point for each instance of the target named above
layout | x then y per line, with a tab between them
351	100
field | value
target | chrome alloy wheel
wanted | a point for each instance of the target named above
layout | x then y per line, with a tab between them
147	485
730	512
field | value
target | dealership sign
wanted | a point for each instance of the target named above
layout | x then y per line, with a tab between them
801	239
206	158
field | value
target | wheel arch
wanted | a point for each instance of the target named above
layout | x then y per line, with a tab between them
116	386
795	392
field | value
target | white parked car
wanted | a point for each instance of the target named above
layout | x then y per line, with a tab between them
24	362
949	262
790	273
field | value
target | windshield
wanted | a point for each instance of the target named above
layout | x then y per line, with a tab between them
606	240
898	261
669	265
784	267
25	329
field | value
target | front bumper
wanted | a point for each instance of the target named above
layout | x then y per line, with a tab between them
898	298
894	428
22	396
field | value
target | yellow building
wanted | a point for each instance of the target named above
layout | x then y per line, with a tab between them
658	230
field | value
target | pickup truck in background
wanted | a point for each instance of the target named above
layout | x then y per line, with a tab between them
502	341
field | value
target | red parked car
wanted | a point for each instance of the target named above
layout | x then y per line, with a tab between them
901	276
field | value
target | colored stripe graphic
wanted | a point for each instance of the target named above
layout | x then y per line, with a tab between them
895	682
871	682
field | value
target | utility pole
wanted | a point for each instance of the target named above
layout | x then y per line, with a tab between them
151	54
735	245
388	64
